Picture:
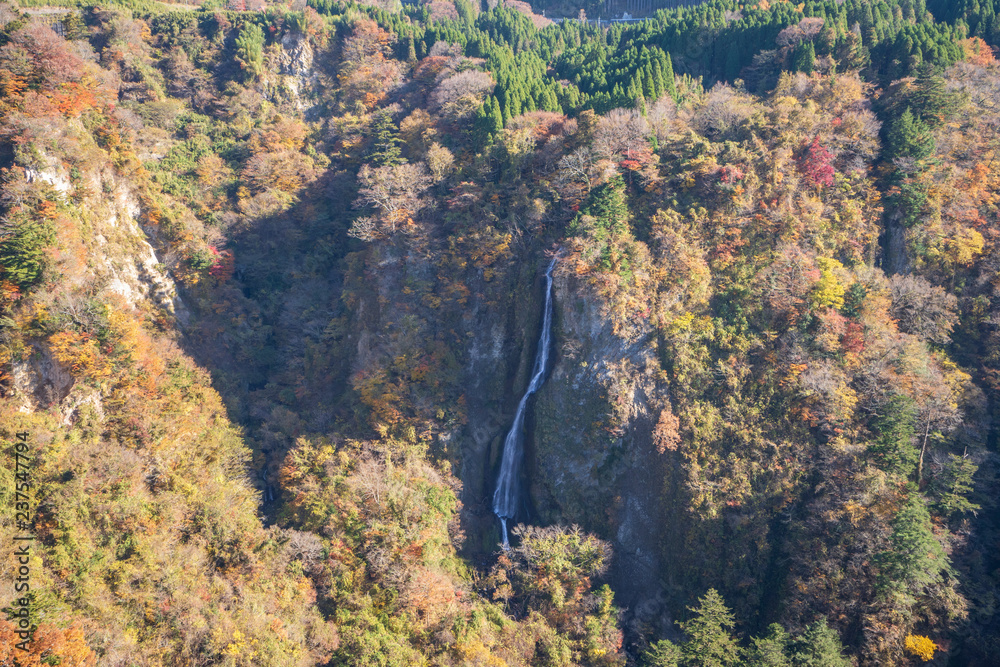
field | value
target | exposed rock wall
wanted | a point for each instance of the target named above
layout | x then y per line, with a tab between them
590	456
594	462
119	261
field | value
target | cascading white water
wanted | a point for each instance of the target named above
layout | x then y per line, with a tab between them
505	498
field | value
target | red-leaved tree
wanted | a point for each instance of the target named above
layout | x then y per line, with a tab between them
816	164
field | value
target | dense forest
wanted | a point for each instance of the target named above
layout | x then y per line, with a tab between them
271	286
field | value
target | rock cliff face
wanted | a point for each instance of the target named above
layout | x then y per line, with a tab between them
120	257
594	462
296	63
39	380
119	265
591	459
894	257
499	324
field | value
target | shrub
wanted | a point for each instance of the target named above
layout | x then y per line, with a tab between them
920	647
23	243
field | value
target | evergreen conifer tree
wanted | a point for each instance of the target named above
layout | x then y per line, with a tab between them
548	101
634	87
892	449
827	39
710	643
648	84
250	50
909	136
466	13
769	650
916	559
662	654
496	118
488	122
804	59
74	27
819	646
953	485
930	100
385	142
23	250
618	97
507	111
658	81
668	78
608	205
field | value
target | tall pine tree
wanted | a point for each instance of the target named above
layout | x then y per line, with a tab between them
662	654
892	447
930	100
769	650
804	59
909	136
915	559
385	142
488	122
710	642
819	646
608	204
668	78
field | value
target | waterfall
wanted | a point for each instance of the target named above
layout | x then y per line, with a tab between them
505	498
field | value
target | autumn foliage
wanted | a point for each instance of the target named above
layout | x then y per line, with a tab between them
270	284
816	164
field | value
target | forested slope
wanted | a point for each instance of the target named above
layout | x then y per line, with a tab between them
270	290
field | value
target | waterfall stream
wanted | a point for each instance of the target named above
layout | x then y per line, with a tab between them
505	498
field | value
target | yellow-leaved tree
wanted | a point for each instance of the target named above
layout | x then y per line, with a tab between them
828	291
920	647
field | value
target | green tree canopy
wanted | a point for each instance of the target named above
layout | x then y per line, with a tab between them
770	650
916	559
710	641
663	653
893	429
250	50
818	646
385	142
909	137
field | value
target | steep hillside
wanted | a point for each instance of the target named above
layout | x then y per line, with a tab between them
271	286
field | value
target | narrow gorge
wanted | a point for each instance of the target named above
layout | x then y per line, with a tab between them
359	334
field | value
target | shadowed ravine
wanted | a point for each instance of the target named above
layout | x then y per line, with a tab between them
505	498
